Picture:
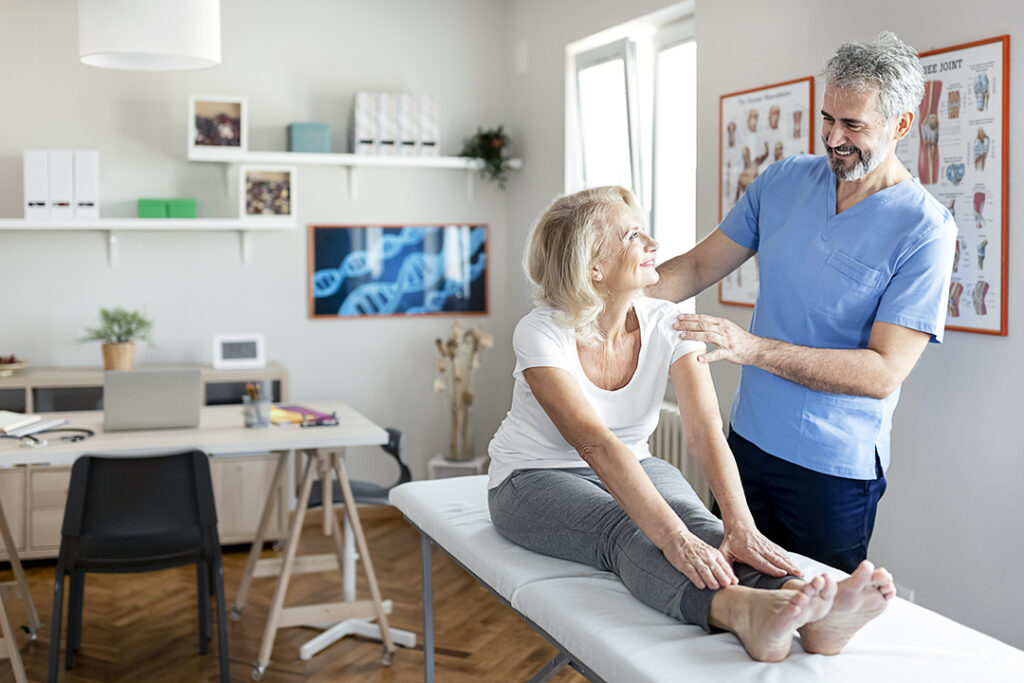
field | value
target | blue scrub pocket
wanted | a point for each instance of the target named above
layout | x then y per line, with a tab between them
847	290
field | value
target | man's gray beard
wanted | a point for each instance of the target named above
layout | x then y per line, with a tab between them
867	162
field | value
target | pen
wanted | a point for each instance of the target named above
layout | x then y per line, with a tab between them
251	389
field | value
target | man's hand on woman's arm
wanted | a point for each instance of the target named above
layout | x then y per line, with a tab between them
702	423
875	371
617	467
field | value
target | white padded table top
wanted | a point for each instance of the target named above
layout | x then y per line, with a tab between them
596	619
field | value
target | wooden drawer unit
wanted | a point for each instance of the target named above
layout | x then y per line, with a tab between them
12	496
240	488
48	491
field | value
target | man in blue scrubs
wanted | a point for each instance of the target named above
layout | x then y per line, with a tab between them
855	260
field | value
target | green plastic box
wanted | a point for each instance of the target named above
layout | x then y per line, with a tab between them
152	208
309	137
181	208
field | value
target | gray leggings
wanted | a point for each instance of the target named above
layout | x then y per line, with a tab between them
568	513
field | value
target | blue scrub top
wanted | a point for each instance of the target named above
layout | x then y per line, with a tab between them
825	279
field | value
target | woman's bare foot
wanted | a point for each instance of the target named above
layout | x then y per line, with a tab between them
764	620
858	600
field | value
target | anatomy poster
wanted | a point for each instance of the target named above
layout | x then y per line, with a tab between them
958	149
758	127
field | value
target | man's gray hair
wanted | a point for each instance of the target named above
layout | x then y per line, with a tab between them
887	65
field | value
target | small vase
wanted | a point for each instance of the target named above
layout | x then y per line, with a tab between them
119	356
460	446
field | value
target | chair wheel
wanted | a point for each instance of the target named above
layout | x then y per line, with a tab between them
236	613
258	671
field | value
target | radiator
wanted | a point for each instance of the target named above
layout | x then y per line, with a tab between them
669	443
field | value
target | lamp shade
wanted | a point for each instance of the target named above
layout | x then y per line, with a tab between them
149	35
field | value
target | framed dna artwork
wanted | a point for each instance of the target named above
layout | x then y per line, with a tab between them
375	270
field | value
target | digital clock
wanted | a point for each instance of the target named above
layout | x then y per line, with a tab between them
239	351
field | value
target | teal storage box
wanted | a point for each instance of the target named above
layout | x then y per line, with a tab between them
152	208
181	208
309	137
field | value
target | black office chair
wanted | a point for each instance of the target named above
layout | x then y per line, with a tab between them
367	492
138	515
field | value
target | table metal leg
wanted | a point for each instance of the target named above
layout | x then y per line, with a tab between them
364	552
428	609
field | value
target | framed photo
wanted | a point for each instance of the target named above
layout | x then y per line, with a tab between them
756	128
219	123
239	351
363	270
959	150
267	192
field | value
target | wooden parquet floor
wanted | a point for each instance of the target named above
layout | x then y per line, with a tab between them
143	627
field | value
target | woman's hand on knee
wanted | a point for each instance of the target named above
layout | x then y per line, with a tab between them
744	543
702	564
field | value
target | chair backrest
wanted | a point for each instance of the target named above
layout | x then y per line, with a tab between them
394	448
128	496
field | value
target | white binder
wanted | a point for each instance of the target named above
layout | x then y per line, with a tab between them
430	126
408	125
62	192
387	123
87	185
364	129
36	184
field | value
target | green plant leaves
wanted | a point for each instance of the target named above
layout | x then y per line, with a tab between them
117	326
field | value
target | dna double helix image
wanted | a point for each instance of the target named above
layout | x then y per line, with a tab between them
378	270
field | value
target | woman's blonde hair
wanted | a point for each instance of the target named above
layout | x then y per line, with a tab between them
564	244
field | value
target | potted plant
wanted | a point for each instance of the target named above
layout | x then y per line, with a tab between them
489	146
118	330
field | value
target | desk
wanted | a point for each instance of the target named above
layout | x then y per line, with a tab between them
221	433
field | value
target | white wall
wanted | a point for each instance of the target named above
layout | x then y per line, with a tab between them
949	527
298	61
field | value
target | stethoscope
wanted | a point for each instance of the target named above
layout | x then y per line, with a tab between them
33	440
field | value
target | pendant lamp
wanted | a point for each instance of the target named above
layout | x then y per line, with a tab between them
149	35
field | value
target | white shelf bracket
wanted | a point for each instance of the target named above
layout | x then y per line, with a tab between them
353	183
112	247
470	173
244	246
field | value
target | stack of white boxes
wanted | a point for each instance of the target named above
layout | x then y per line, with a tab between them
395	124
62	184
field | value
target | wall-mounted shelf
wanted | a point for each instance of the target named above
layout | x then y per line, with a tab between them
351	162
112	226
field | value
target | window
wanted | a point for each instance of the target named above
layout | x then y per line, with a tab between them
606	90
674	175
631	119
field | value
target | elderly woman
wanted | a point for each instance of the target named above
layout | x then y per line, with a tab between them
571	475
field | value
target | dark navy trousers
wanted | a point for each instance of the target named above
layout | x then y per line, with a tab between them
824	517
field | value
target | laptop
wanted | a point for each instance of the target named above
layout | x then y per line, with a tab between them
151	399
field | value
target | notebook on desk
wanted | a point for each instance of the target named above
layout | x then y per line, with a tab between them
151	399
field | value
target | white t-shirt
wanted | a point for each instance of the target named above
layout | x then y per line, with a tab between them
528	439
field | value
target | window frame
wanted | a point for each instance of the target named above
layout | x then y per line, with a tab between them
624	49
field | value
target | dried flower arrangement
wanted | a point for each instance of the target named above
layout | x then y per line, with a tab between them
459	359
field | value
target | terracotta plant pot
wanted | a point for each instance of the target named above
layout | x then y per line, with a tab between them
118	356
